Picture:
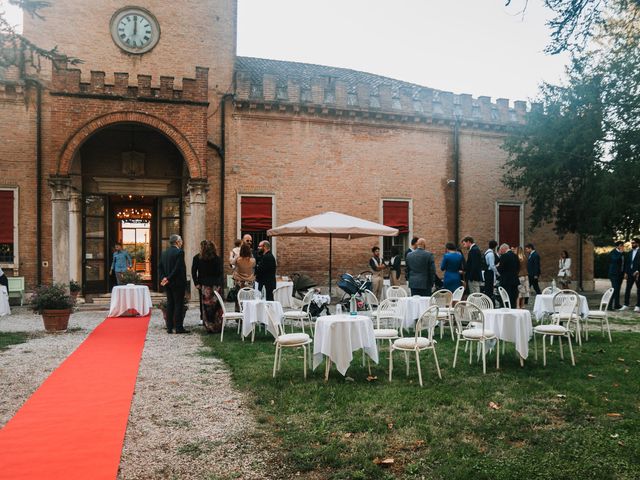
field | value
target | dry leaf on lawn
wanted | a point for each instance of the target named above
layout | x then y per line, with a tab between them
385	462
494	406
614	415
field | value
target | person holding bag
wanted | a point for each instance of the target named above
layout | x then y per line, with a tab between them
564	270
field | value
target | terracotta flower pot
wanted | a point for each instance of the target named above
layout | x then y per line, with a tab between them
56	320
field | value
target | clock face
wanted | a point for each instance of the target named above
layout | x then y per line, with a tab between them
135	30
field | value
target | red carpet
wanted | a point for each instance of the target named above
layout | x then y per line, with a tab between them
73	426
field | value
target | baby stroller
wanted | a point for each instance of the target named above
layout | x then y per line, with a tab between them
353	286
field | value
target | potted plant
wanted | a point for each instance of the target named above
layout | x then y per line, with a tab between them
131	277
74	289
55	305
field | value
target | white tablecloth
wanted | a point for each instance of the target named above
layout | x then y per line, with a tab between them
411	308
255	311
544	304
338	336
511	325
126	297
4	301
284	296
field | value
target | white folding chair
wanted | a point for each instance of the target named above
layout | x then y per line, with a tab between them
458	293
287	340
504	296
443	299
566	307
227	315
396	292
564	314
600	315
418	343
301	314
475	331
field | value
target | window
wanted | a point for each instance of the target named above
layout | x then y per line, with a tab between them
256	217
395	213
9	227
509	224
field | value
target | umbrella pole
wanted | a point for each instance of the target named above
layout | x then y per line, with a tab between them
330	252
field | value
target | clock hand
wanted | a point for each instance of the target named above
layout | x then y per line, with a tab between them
135	25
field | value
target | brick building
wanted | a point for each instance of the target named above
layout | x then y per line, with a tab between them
163	129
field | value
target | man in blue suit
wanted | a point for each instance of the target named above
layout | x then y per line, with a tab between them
616	271
173	277
533	266
423	269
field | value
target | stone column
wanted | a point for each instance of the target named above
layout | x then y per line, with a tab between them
75	236
60	196
196	229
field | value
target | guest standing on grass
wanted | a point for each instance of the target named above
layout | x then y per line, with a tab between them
508	269
395	266
534	269
473	268
523	278
632	275
266	269
208	276
451	265
377	267
173	274
243	275
616	271
491	272
423	269
564	270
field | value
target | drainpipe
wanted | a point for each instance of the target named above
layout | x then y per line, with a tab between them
580	261
456	179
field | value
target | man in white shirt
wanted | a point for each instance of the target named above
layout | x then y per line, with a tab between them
491	273
632	275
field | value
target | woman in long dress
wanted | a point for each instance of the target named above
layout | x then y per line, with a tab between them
451	265
244	273
208	274
523	277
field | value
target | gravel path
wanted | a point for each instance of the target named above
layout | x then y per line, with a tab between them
186	419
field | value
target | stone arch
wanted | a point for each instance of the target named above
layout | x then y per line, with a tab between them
80	136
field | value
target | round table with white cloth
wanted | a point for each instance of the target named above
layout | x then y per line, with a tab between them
255	311
511	325
544	305
338	336
130	297
4	301
411	308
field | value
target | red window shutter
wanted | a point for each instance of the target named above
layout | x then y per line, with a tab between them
396	214
509	225
255	213
6	216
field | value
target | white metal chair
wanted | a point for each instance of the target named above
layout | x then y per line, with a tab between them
443	299
227	315
370	300
388	314
288	340
396	292
301	314
418	343
560	313
284	289
458	293
504	296
474	332
246	293
600	315
566	306
480	300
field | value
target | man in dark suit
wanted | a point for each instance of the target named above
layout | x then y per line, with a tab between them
411	249
423	269
473	268
616	272
266	269
533	266
508	269
173	275
632	274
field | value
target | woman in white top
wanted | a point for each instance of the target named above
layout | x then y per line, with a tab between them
564	270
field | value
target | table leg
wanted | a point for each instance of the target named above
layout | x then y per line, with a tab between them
521	360
327	367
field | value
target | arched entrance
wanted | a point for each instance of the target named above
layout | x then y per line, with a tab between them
133	179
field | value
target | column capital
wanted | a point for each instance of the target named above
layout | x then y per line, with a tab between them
60	188
198	191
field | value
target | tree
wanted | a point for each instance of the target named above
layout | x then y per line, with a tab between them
17	51
578	158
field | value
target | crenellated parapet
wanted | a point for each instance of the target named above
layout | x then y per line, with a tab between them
12	87
306	88
194	90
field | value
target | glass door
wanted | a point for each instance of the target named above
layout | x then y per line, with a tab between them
95	268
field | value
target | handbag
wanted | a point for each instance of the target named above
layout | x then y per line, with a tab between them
232	295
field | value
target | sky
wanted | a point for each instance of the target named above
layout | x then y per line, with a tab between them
479	47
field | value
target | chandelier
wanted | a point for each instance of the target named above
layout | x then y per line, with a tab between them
129	214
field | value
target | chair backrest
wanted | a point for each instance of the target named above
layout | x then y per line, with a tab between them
606	298
306	300
441	298
550	290
370	299
467	314
388	311
396	292
246	293
504	296
457	294
16	284
221	302
428	320
480	300
275	326
565	305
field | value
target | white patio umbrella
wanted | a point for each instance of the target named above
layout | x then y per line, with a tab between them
333	225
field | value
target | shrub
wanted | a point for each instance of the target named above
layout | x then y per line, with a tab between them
51	297
131	277
74	286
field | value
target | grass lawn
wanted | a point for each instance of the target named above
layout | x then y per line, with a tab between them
11	338
561	421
